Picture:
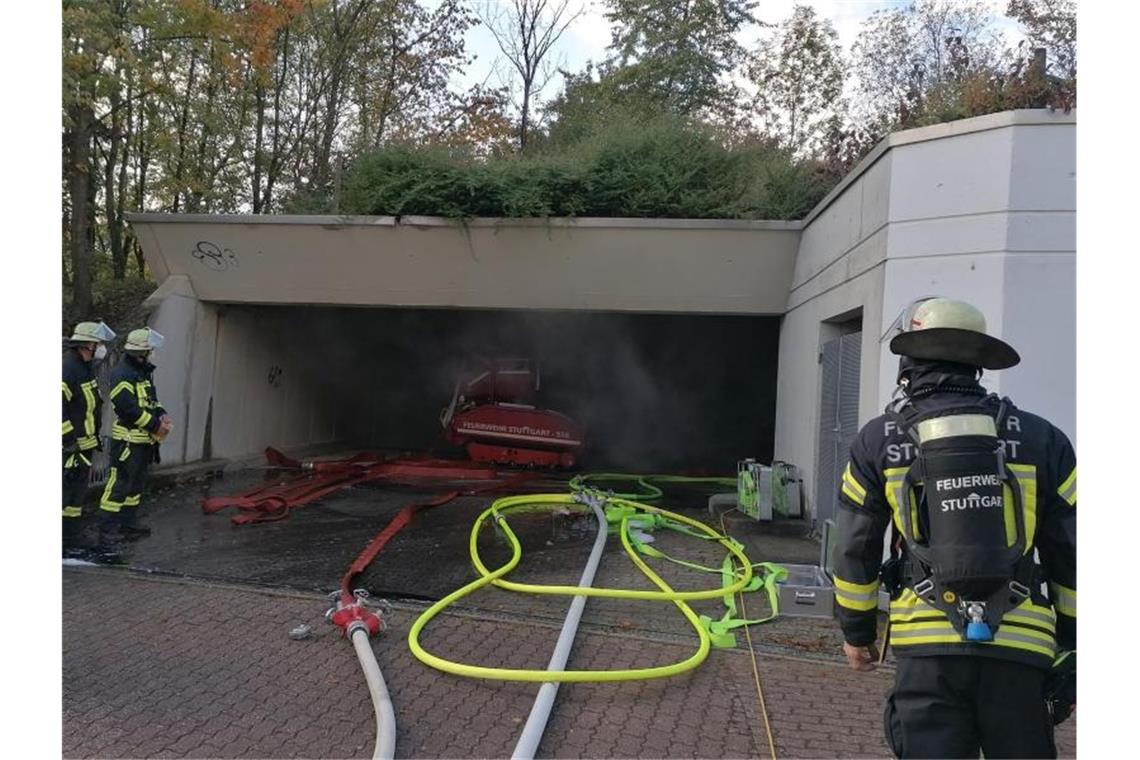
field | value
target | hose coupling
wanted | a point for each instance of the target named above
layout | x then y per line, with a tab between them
352	616
590	497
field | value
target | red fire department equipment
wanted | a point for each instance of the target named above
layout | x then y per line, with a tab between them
493	414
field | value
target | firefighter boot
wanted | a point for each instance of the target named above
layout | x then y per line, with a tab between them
130	526
110	538
71	537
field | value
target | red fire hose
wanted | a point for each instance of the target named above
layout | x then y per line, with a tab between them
321	478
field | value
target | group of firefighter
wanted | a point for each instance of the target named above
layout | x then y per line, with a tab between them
139	427
979	499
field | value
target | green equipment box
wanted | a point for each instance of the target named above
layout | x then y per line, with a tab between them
763	491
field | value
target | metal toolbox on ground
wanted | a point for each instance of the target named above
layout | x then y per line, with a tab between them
808	590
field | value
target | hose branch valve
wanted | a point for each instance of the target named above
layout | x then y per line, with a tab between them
351	613
590	497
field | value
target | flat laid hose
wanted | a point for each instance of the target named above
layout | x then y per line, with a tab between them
497	512
385	747
532	732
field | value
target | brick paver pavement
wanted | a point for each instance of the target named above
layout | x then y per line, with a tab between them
163	668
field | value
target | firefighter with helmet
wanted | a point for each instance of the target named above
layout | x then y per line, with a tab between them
82	410
972	489
140	426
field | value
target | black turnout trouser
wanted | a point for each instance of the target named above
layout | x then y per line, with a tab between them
953	706
129	465
76	468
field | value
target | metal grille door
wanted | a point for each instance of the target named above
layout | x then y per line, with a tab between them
838	417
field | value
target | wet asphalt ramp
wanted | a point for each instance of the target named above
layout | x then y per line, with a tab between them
311	549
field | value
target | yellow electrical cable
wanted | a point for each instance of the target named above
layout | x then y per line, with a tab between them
487	577
755	666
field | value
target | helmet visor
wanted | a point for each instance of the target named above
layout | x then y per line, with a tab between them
103	333
154	339
902	321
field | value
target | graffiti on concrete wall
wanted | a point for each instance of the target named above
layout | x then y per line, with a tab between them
214	256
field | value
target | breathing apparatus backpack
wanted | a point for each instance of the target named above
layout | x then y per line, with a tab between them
960	512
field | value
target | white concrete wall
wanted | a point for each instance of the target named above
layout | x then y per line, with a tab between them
725	266
839	272
184	365
990	217
212	375
251	411
982	210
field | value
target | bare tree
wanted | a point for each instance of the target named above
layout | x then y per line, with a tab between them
525	31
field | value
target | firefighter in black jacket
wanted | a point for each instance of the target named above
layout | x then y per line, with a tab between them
140	426
82	409
969	486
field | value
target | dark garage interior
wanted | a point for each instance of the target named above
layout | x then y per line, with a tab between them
655	392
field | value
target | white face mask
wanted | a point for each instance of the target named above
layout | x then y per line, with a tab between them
100	352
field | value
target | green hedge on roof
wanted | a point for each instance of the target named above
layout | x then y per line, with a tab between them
661	170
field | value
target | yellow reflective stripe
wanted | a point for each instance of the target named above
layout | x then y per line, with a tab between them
1064	599
73	511
857	596
942	632
125	385
89	389
1068	489
858	605
105	502
1046	639
1030	641
143	397
851	487
1026	475
120	433
69	462
895	478
143	419
857	588
902	613
926	632
87	443
851	480
67	392
67	427
909	606
925	626
1029	618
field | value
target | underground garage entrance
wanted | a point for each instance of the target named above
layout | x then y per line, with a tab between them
652	392
657	339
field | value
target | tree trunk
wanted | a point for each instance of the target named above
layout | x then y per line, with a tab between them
110	196
525	115
190	84
142	146
258	146
121	200
79	187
